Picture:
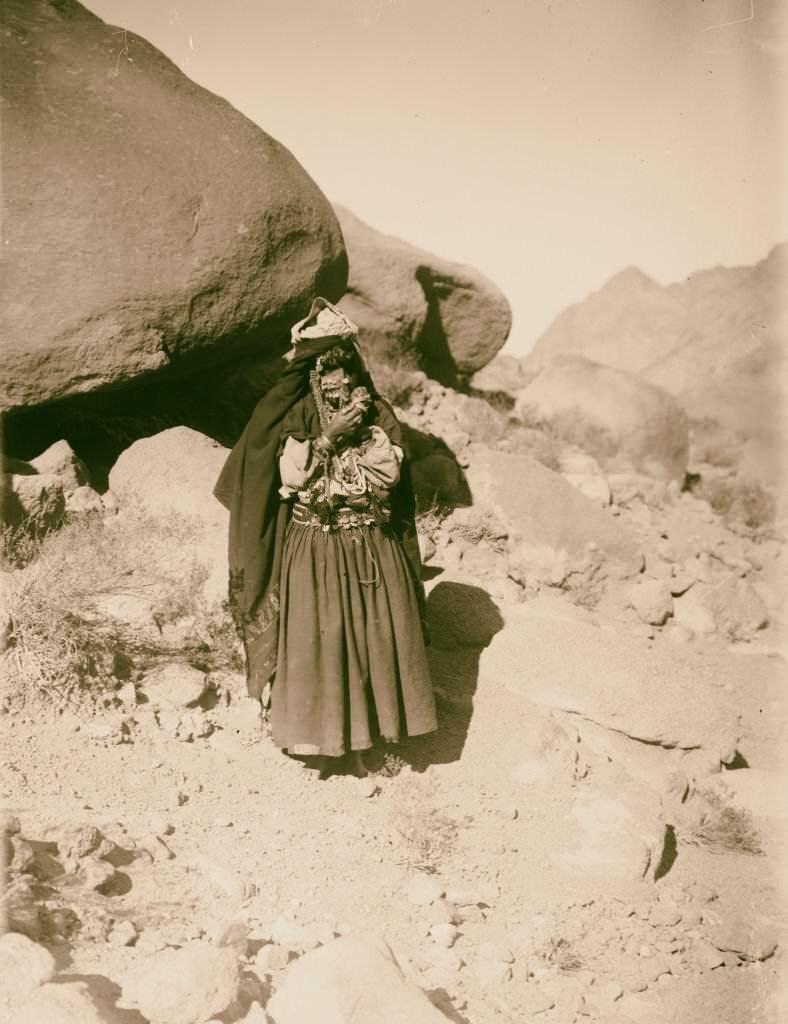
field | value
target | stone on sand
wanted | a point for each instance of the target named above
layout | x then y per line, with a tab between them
352	980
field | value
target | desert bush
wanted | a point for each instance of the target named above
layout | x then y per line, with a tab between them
430	520
477	527
428	835
562	954
540	444
569	427
722	827
63	643
738	501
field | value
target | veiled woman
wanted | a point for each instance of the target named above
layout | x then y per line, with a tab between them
324	565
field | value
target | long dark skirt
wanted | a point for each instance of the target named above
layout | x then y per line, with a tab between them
351	665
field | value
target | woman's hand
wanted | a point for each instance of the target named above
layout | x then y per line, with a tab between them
343	423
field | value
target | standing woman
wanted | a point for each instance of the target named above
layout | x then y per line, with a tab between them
324	565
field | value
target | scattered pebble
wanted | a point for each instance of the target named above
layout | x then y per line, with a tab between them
422	890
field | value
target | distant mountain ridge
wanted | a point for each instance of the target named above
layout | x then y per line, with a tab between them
680	336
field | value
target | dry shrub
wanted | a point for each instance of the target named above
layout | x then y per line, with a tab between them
539	444
427	833
479	528
739	501
722	828
562	955
63	644
569	427
430	520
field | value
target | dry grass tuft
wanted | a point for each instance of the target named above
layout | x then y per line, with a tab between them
723	828
562	955
427	833
65	645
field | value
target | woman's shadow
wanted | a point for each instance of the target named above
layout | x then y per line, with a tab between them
462	620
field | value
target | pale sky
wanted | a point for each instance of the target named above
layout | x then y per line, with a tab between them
548	144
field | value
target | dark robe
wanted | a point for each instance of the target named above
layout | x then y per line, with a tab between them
248	486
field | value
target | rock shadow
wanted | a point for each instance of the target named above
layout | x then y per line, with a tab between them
463	619
437	477
106	994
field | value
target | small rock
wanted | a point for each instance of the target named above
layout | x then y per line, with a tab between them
77	841
464	897
155	847
127	695
271	958
368	787
124	933
689	612
664	916
491	973
175	685
291	935
84	500
11	825
447	959
423	889
652	601
444	934
24	966
96	874
23	858
680	583
751	936
442	912
61	461
159	825
706	956
607	992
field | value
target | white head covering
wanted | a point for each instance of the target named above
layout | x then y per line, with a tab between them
322	321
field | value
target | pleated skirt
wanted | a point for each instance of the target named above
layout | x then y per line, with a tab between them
351	663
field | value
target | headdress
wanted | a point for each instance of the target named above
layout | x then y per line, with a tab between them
322	321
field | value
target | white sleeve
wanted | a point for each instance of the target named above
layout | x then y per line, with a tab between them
297	466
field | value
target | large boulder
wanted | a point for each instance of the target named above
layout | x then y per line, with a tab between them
173	473
652	696
446	317
613	414
553	529
148	225
503	373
